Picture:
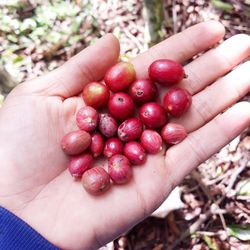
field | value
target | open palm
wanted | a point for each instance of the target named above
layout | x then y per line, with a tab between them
34	181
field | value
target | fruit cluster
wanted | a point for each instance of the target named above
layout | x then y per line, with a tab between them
118	134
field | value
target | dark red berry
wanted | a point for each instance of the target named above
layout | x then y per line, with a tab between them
79	164
135	153
96	180
75	142
107	125
130	129
120	76
97	144
143	90
177	101
96	95
87	118
113	146
119	169
153	115
166	72
121	106
151	141
173	133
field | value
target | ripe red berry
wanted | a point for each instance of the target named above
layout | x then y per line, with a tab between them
107	125
121	106
153	115
87	118
173	133
96	180
97	144
135	153
119	169
79	164
113	146
166	72
96	94
75	142
177	101
151	141
120	76
130	129
143	90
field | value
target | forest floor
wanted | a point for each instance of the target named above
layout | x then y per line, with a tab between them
38	36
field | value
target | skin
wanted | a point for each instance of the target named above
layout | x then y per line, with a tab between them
34	181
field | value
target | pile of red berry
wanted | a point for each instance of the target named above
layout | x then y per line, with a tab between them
118	134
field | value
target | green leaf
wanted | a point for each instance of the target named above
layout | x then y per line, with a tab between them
54	37
243	187
227	7
193	236
211	243
28	24
241	233
125	57
74	39
17	59
12	38
65	9
12	3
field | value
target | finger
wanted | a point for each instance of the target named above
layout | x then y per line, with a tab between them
69	79
181	46
89	65
216	62
206	141
216	98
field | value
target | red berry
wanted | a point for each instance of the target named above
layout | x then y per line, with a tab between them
121	106
135	153
96	180
177	101
79	164
120	76
87	118
130	129
166	72
113	146
75	142
143	90
119	169
96	94
107	125
173	133
153	115
97	144
151	141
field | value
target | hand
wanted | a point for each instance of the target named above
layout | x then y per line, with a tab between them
34	181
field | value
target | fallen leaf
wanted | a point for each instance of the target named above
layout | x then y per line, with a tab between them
243	187
241	233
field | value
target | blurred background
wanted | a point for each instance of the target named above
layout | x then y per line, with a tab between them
212	205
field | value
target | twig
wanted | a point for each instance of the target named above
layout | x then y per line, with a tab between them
196	225
240	206
134	39
207	233
234	176
174	14
222	219
220	178
193	228
197	177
